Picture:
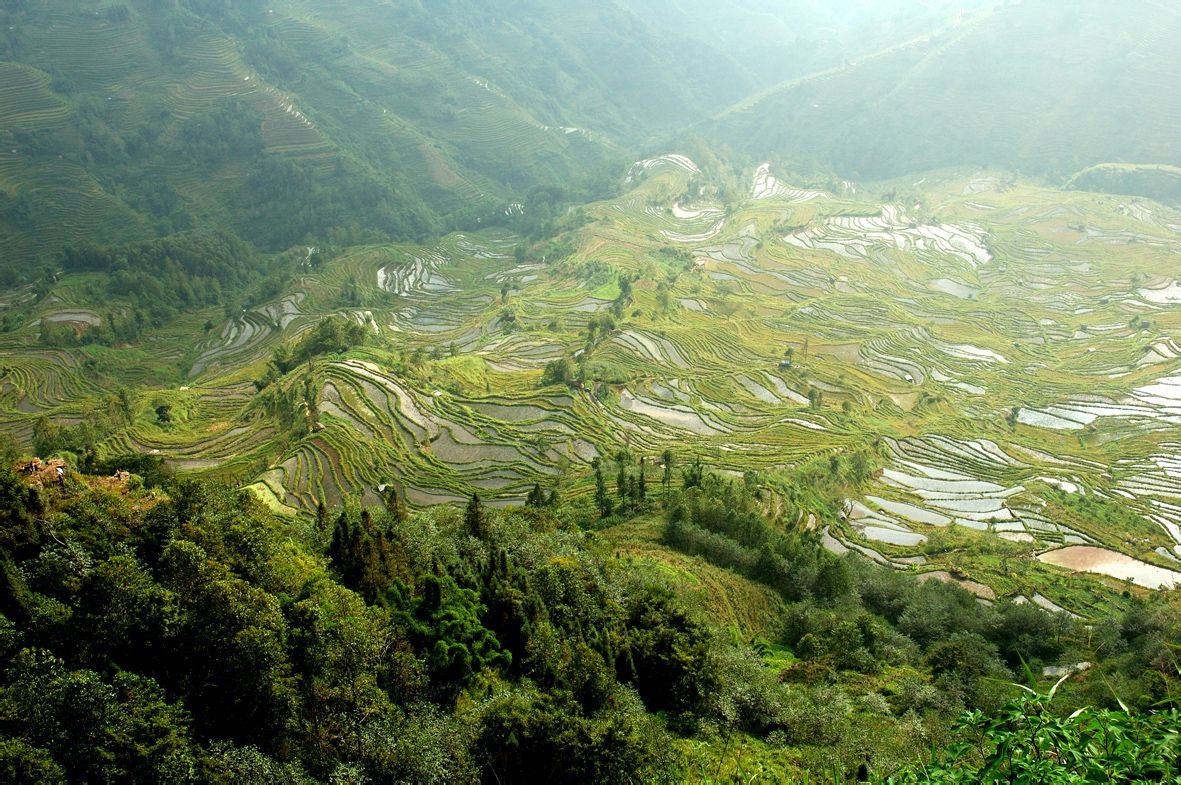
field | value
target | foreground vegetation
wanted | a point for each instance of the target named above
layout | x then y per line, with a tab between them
184	632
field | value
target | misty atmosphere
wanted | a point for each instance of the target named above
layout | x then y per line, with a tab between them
633	391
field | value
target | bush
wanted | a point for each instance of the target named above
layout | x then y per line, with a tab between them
1026	741
529	737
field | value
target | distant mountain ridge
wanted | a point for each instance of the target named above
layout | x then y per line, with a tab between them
775	40
1035	87
296	122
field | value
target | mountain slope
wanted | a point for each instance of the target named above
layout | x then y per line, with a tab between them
774	40
1032	87
294	120
1008	352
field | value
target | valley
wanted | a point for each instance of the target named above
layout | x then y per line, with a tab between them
485	391
753	335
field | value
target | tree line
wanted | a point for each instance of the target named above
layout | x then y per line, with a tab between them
178	630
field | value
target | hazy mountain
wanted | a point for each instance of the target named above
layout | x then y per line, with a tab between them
776	40
1040	87
287	119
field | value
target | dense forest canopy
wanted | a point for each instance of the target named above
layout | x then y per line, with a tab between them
180	631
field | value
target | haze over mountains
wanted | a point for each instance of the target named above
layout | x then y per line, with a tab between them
285	120
1047	89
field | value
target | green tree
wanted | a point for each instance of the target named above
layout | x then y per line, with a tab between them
602	499
96	731
22	762
445	628
536	497
557	372
528	737
20	507
666	655
642	484
225	650
331	335
394	504
474	519
667	479
339	648
126	405
362	555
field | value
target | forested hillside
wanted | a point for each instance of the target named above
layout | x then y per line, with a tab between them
293	121
296	122
182	633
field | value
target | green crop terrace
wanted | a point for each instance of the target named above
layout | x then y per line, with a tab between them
999	348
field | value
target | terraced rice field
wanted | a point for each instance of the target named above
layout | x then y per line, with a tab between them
1115	565
97	51
1013	360
767	186
26	100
